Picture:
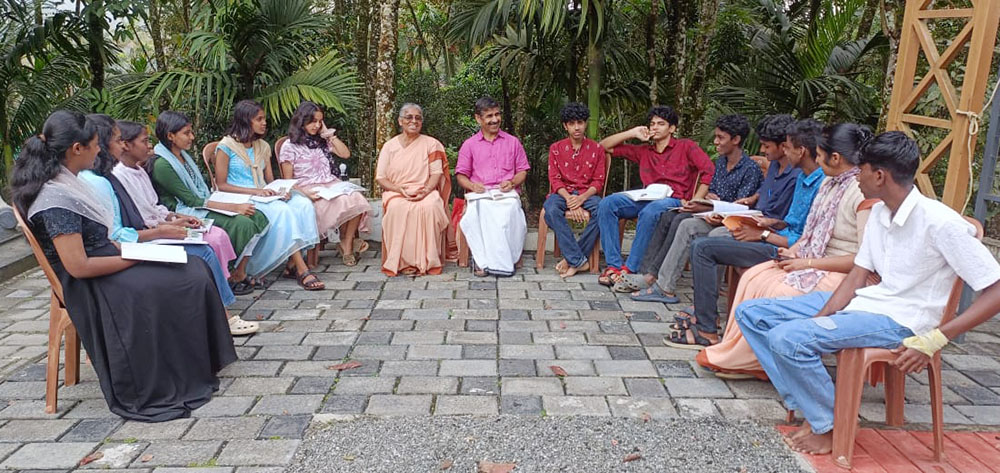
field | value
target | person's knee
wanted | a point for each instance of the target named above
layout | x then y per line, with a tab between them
790	339
552	207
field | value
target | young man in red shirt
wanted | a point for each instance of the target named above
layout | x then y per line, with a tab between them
576	176
662	159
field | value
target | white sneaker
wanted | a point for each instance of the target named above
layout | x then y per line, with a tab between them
238	326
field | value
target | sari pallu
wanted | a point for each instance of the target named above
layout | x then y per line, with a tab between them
413	233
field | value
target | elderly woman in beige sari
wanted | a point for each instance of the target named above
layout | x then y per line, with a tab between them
413	173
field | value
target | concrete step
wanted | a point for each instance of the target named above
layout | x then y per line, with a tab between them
15	254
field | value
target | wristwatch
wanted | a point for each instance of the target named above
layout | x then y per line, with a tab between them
764	235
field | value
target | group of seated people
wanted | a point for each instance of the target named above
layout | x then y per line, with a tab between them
843	251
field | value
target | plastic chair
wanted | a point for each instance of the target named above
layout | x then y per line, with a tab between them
277	152
852	366
208	155
59	325
543	233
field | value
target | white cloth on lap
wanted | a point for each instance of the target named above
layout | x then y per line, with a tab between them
495	231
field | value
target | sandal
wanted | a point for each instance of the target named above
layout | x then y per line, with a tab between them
238	326
477	271
314	285
682	323
349	259
624	285
259	283
610	276
654	294
289	273
688	339
361	246
241	288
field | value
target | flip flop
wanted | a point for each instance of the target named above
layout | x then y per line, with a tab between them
241	288
623	285
688	339
314	285
654	294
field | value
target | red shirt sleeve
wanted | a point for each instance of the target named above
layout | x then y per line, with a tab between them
555	177
629	152
600	165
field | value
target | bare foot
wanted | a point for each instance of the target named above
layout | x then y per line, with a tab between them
562	265
650	279
795	435
814	444
570	271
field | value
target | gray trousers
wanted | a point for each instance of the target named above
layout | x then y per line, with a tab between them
680	250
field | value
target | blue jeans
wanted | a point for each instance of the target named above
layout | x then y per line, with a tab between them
575	251
707	254
618	206
206	253
789	341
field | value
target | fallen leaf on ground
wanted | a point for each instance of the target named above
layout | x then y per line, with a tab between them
632	457
91	458
614	443
349	458
562	325
558	370
645	417
628	315
490	467
146	458
446	464
345	366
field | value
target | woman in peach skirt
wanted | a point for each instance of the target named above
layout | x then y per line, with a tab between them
306	156
819	261
412	170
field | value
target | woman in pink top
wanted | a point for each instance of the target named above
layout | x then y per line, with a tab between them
307	156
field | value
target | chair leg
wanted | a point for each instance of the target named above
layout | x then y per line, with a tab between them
543	236
850	380
72	364
595	259
895	396
52	363
937	409
463	250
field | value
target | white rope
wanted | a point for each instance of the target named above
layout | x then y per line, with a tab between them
972	133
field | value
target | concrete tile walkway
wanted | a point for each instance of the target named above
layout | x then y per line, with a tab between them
451	344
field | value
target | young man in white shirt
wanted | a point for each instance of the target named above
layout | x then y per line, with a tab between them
918	246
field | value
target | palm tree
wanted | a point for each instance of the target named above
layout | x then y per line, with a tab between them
802	70
267	50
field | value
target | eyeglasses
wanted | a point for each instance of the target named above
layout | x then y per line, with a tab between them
413	118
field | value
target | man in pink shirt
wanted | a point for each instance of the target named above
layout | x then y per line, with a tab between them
491	167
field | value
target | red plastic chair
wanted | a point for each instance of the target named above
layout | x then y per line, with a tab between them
59	325
853	365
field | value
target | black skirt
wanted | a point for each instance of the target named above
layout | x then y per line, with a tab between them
156	334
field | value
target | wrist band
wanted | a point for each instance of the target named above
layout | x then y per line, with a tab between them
928	343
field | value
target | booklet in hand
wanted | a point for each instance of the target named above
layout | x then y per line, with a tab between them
733	222
157	253
492	194
724	209
651	192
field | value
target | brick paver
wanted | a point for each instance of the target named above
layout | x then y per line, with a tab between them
442	345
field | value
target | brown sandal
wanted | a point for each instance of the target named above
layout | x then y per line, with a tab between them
349	259
314	285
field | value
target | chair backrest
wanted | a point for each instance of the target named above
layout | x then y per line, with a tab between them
956	290
277	155
36	249
607	173
208	156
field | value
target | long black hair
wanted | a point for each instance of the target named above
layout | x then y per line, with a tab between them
130	130
170	122
241	127
845	139
297	133
105	127
40	158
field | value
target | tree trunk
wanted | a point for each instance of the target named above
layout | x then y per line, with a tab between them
186	15
595	71
651	24
95	40
679	44
156	32
39	19
892	32
692	102
385	77
867	18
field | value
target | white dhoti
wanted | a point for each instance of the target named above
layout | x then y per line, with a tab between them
495	231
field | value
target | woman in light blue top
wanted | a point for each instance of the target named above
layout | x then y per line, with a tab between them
128	226
243	166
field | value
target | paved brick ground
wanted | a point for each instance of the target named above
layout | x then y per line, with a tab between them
442	345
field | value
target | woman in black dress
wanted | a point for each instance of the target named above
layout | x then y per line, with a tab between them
156	333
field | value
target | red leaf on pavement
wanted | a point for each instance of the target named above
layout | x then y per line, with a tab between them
562	325
345	366
446	464
632	457
490	467
91	458
558	371
145	458
614	443
645	417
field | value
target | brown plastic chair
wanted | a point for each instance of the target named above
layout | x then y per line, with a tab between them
208	155
59	325
543	233
277	152
853	365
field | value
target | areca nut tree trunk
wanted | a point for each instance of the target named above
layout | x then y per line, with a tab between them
385	78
